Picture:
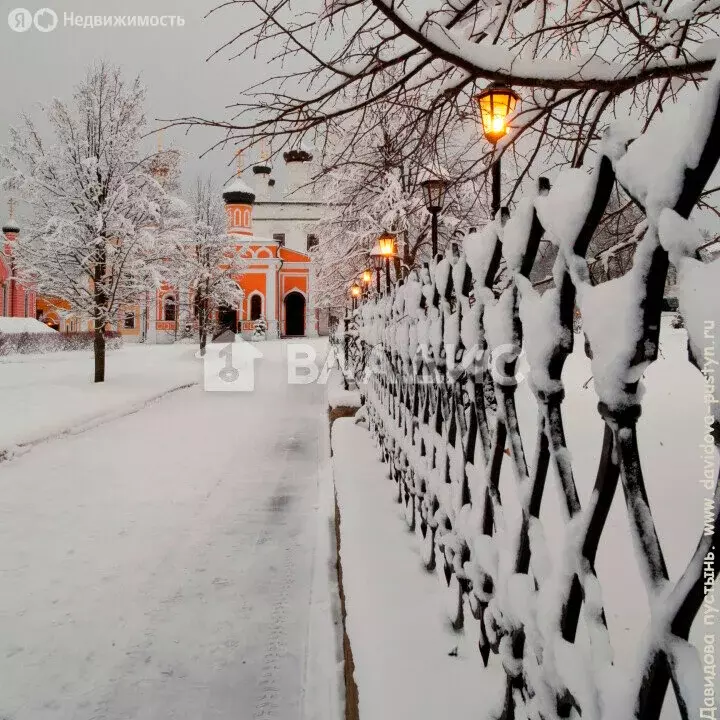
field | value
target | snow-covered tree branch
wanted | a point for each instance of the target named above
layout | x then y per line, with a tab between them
575	65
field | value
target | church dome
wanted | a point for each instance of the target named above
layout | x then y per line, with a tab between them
262	169
298	155
10	226
238	192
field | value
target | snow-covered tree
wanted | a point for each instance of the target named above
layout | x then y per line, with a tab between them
260	329
377	188
204	259
91	236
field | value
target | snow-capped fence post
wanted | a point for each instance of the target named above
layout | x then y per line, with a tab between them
445	348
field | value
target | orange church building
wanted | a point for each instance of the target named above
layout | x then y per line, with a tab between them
276	282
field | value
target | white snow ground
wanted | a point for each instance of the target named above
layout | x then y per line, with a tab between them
395	609
159	565
45	395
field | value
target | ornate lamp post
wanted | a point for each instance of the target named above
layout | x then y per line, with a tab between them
366	279
434	193
355	292
387	249
377	260
495	103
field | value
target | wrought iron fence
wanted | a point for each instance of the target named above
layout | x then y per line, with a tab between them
437	358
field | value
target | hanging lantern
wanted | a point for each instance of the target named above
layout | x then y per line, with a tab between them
387	244
434	193
496	102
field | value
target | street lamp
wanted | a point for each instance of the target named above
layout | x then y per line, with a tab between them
355	292
495	103
376	257
367	277
434	193
387	249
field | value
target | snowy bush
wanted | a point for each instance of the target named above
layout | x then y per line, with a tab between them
25	343
677	321
259	329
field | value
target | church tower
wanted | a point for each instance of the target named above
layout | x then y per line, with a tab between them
16	300
239	200
276	279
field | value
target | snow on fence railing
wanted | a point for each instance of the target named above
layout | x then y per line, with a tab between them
437	360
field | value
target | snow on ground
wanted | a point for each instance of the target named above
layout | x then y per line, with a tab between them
45	395
396	611
338	396
161	565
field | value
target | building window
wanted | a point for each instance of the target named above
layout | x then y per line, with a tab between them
27	305
255	307
312	241
169	308
129	321
280	238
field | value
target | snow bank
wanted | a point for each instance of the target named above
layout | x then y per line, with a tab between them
48	395
408	664
13	325
323	692
338	396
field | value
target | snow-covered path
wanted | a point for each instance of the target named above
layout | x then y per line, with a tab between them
159	566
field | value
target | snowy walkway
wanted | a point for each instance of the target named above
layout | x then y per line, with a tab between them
159	565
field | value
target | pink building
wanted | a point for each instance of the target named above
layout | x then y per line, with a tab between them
15	299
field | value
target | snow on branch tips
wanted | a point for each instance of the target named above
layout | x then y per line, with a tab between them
346	66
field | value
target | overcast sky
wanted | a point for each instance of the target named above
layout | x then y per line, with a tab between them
36	66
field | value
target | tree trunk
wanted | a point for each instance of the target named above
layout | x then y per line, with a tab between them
100	310
99	350
204	313
203	331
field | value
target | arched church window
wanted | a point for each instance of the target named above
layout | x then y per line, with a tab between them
169	308
255	307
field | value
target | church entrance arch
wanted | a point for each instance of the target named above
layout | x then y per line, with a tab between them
294	314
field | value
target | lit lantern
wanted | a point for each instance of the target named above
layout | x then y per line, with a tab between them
387	244
367	276
496	102
356	290
434	193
